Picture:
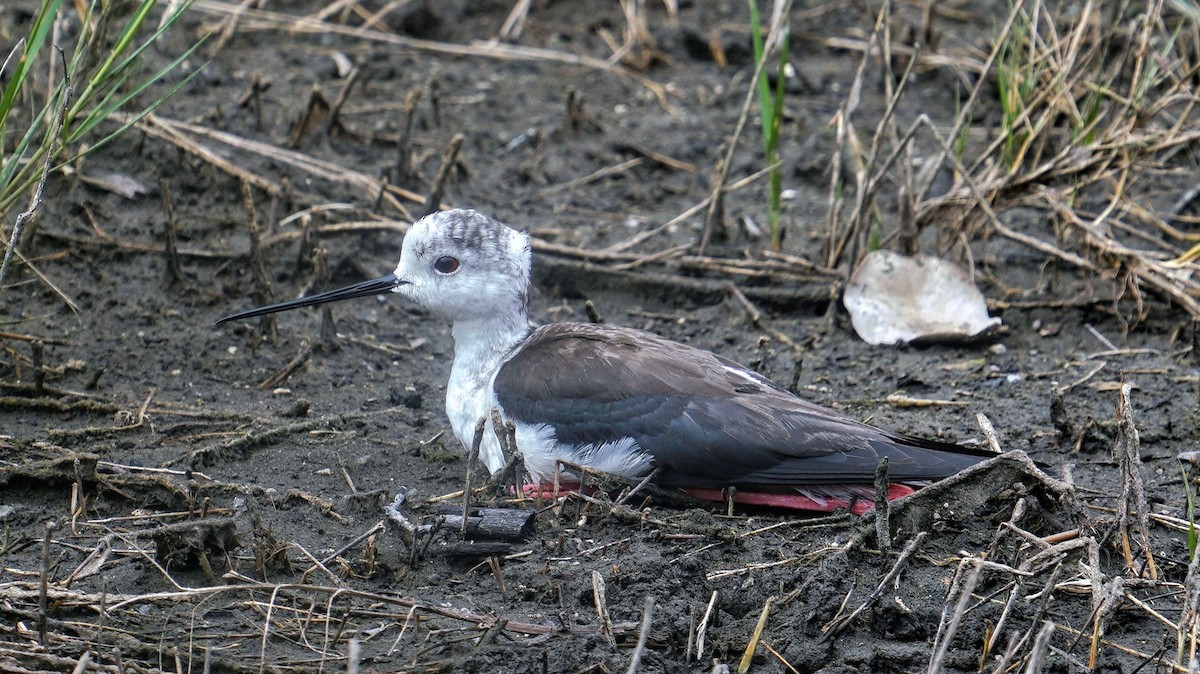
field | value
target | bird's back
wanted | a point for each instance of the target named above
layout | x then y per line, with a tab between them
706	420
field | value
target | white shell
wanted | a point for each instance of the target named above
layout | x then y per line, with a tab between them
894	299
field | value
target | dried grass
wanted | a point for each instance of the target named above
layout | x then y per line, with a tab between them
1095	101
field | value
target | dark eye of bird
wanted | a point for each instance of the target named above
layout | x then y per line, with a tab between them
446	265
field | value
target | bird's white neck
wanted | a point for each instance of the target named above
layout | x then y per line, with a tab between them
481	346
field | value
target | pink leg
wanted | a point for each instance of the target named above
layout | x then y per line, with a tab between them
788	501
546	489
799	501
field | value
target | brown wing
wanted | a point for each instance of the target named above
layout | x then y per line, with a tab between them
707	421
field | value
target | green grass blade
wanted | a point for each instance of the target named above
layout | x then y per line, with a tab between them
103	72
121	73
775	185
37	35
764	88
19	172
150	108
134	56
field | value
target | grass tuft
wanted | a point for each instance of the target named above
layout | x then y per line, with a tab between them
109	81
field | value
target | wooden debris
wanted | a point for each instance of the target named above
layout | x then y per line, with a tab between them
479	523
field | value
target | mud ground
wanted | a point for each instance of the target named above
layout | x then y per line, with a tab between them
139	415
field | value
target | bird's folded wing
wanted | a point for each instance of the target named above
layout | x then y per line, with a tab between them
707	421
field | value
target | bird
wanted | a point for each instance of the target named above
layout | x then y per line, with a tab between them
624	401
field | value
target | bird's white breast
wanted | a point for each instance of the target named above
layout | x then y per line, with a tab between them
471	396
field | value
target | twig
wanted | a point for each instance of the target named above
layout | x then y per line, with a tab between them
262	286
643	633
755	636
433	200
302	356
353	542
43	606
472	458
514	23
944	637
1040	646
615	169
403	171
600	598
493	563
702	631
989	431
82	665
883	508
1133	489
836	626
170	253
410	533
343	95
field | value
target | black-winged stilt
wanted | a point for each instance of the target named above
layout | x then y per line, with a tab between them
625	401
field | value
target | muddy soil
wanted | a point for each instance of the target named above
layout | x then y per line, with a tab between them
217	493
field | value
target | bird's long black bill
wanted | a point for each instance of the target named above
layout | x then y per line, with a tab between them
378	286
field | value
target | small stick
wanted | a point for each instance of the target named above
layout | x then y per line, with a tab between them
409	533
333	121
306	349
1041	644
82	665
316	565
403	171
1017	592
494	564
702	631
435	102
755	317
883	508
471	459
615	169
346	475
514	24
593	313
77	498
314	113
434	199
600	598
645	481
647	617
514	465
836	626
687	651
262	287
42	603
943	644
751	647
170	252
989	431
36	352
1133	489
1101	338
306	256
381	193
353	656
